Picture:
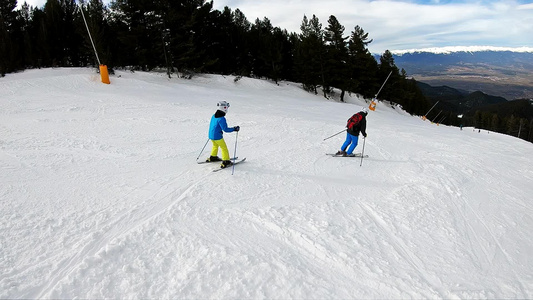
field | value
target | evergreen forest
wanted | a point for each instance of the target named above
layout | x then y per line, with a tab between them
186	37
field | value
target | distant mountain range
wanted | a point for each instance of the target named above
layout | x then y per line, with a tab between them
502	72
459	101
454	102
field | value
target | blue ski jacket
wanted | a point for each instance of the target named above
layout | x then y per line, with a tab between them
218	125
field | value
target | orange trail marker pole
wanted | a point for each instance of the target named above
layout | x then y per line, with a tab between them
104	75
372	106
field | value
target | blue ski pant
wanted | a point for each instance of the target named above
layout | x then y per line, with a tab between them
351	140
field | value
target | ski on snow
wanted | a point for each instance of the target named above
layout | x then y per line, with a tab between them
356	155
219	161
230	166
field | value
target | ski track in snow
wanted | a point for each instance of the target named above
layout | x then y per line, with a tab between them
125	222
102	198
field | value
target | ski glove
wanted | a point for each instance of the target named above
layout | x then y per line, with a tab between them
236	128
364	135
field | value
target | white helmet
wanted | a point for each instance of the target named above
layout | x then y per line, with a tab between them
223	106
364	110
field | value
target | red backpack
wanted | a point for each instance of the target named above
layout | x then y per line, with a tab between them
354	120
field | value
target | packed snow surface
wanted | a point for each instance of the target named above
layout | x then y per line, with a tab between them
102	197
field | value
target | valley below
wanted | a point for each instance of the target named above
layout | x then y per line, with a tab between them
498	73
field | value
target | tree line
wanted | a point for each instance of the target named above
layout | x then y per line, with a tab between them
188	36
509	124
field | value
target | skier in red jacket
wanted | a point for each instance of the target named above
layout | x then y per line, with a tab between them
356	124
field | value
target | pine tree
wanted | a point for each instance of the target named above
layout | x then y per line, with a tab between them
35	38
477	119
336	62
139	31
265	50
311	54
319	52
189	26
303	55
223	37
7	27
96	15
25	17
512	125
495	123
362	65
241	31
530	131
523	129
386	67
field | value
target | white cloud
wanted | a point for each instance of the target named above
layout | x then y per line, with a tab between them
398	25
34	3
526	6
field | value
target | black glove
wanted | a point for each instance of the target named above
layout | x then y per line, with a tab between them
364	135
236	128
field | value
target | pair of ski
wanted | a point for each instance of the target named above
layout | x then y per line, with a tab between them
234	161
356	155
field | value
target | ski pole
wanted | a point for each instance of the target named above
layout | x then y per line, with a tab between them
202	149
363	152
235	153
335	134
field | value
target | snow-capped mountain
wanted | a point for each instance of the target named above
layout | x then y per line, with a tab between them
499	71
472	49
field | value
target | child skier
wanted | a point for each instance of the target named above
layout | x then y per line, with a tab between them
216	127
356	124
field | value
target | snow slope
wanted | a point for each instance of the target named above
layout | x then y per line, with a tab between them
101	196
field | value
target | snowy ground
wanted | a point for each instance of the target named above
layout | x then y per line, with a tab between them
101	196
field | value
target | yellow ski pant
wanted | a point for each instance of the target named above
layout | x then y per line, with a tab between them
222	144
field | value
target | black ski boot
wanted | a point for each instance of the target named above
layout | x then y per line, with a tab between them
213	158
226	163
341	153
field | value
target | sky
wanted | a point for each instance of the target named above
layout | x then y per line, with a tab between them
402	25
101	196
